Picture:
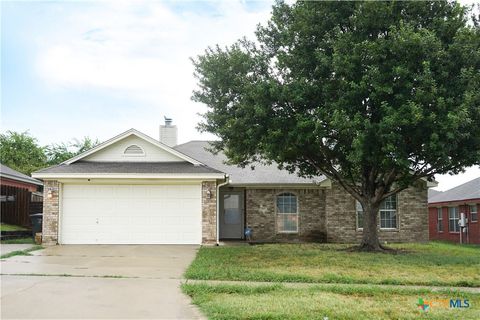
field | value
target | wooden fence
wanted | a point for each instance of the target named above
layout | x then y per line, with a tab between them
16	205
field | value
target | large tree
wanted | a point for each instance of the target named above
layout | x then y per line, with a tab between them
58	153
375	95
20	151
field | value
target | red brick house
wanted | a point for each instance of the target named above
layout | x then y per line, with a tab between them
446	208
13	178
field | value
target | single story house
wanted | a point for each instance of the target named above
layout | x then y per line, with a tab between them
446	209
134	189
13	178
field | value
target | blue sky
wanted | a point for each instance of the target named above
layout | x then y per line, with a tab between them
78	68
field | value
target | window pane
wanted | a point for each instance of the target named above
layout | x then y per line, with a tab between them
286	203
453	219
473	213
439	219
287	222
287	215
388	219
389	203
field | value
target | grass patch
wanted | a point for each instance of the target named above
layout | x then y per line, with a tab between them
11	227
25	252
342	302
28	240
434	263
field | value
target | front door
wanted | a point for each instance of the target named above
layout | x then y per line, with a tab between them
231	215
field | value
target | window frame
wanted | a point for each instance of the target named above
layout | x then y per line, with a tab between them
277	213
440	221
397	222
470	206
379	217
456	226
357	204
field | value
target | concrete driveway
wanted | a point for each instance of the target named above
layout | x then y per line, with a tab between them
98	281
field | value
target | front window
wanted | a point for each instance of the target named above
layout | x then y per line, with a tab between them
473	213
388	213
359	210
439	220
453	219
287	213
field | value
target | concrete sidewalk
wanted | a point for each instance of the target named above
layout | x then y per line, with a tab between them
7	248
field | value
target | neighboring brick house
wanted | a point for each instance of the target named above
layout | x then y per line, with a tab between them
13	178
135	189
446	208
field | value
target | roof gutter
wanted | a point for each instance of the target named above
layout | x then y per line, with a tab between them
227	180
57	176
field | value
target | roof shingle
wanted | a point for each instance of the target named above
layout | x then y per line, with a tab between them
468	190
262	174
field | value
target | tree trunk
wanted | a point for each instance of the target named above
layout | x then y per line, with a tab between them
370	240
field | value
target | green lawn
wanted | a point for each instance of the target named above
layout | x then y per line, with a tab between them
19	241
10	227
433	263
341	302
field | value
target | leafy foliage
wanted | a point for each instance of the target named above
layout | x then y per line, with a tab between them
58	153
21	151
375	95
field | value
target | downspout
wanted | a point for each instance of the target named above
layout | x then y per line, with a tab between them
227	181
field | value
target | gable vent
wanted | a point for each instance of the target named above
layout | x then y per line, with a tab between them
134	150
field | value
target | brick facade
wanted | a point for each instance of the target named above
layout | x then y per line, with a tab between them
51	207
325	214
411	211
473	235
209	212
261	215
329	215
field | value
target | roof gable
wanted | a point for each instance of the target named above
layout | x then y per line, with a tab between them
145	149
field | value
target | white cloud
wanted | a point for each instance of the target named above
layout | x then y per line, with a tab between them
142	51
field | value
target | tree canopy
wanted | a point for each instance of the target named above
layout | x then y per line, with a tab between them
375	95
22	152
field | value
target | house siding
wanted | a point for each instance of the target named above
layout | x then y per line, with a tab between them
261	215
329	215
209	212
473	235
19	184
411	210
51	210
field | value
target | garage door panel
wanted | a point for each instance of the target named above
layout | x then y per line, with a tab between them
131	214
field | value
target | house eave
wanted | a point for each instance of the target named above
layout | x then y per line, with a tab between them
324	184
177	176
11	177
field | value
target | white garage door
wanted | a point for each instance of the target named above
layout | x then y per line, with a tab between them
131	214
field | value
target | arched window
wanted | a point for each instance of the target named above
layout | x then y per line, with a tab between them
134	150
287	213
